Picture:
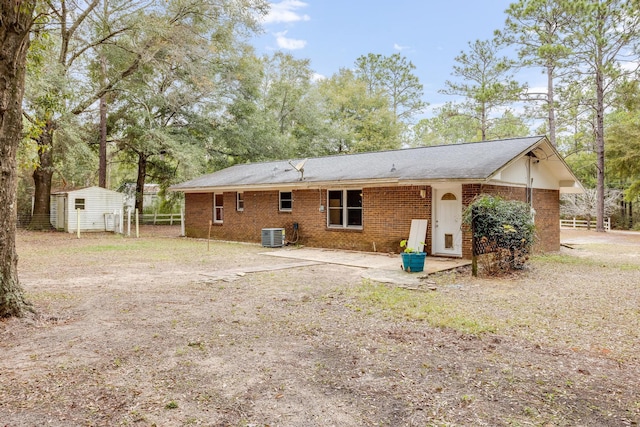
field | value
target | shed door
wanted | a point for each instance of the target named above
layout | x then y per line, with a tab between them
61	213
447	235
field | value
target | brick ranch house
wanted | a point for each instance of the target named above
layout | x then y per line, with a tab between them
366	201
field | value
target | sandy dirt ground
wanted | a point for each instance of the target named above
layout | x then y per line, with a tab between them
168	331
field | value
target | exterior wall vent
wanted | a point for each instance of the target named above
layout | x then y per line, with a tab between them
273	237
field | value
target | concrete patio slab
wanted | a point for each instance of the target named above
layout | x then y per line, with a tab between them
385	268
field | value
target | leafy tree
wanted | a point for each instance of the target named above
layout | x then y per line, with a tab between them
585	205
270	113
451	126
289	101
232	138
604	35
623	140
538	29
583	164
509	126
359	121
165	109
393	76
139	35
448	126
16	19
486	83
60	85
286	81
577	132
312	134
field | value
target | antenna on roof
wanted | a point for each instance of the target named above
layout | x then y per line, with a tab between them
299	167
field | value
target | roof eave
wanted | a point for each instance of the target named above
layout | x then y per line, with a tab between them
573	187
353	183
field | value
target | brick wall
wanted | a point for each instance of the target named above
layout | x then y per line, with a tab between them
198	213
387	215
547	206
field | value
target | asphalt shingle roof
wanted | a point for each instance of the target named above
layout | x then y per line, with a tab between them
470	161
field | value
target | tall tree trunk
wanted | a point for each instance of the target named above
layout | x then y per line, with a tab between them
42	177
15	23
142	176
484	123
102	168
600	150
551	106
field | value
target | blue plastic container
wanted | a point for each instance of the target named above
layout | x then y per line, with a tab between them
413	262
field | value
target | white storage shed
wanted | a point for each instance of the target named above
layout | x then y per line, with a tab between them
96	208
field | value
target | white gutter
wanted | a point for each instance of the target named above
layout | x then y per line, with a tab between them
361	183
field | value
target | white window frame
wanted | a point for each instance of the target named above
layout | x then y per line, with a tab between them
240	201
216	207
79	203
344	209
280	200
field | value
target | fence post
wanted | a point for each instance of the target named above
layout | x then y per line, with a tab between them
181	221
137	223
78	222
474	252
128	221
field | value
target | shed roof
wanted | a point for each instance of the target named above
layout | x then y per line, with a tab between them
95	189
477	161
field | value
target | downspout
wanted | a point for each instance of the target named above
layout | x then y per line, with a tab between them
529	183
530	190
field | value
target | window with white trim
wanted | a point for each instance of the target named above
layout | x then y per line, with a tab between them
239	202
345	208
79	204
286	201
218	208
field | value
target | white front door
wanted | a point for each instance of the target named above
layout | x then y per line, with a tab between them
447	215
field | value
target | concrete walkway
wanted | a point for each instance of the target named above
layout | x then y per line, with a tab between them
385	268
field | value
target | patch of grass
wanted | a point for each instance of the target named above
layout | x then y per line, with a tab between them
411	305
563	259
49	296
171	405
106	248
584	261
197	344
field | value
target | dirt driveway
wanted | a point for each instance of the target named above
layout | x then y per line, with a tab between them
160	331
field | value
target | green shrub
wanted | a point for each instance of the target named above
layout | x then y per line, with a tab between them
504	229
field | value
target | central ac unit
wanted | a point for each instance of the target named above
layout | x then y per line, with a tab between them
273	237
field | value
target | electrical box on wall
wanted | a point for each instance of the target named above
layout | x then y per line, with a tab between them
273	237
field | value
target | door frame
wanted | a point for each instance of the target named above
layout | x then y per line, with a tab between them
455	223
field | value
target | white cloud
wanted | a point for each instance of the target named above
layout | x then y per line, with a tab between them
318	77
286	11
287	43
629	66
537	90
396	46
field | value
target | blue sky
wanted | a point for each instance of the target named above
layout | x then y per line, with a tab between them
429	33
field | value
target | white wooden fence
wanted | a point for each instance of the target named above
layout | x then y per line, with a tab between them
583	223
156	218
